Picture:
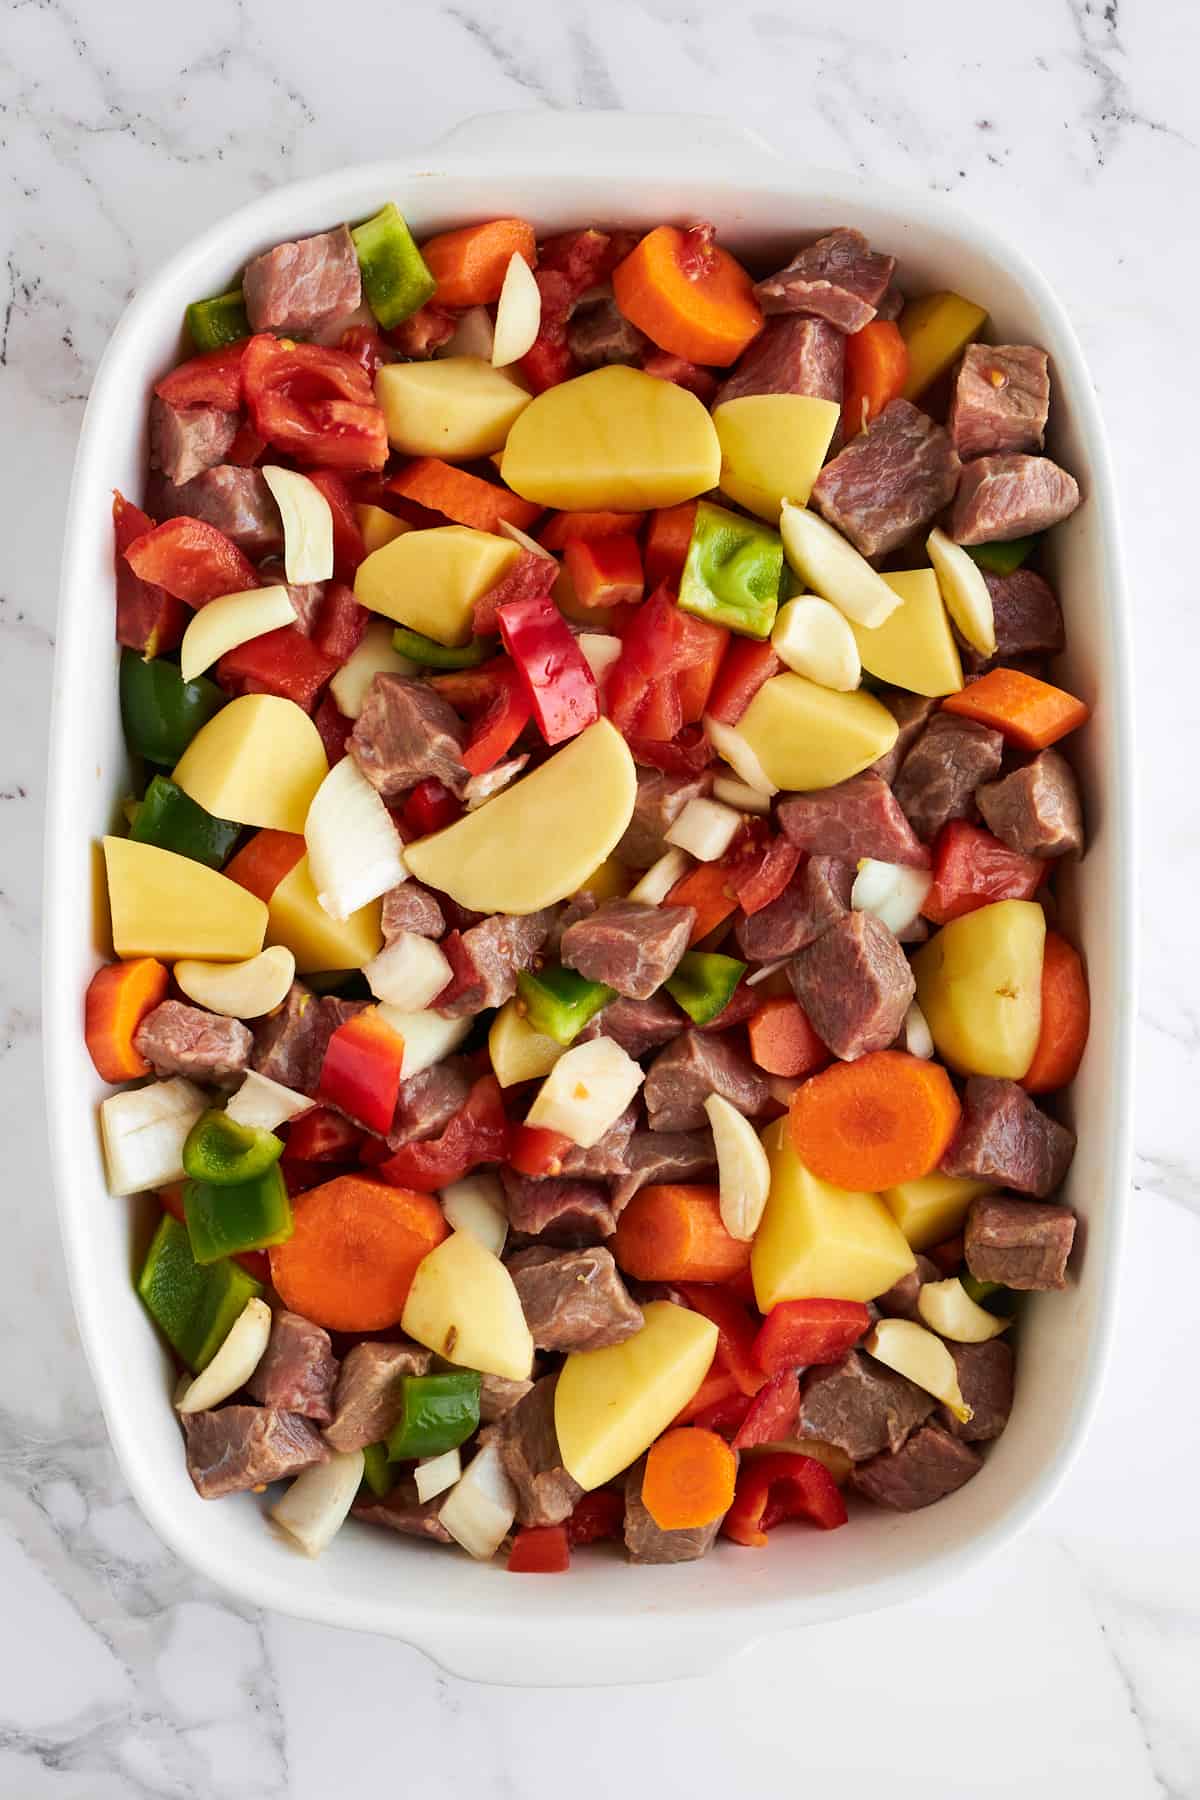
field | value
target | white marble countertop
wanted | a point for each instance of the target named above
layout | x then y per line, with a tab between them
1068	1665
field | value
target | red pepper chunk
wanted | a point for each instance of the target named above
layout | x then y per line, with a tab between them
764	874
314	404
785	1485
799	1332
773	1412
322	1136
348	547
148	618
540	1550
212	379
192	560
686	754
361	1071
744	668
282	662
560	687
971	868
535	1150
430	806
341	623
600	1514
478	1133
604	571
736	1332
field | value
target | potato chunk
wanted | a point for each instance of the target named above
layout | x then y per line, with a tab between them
979	984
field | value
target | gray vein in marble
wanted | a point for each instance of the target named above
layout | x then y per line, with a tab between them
1095	24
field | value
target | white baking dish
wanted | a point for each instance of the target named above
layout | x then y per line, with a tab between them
603	1622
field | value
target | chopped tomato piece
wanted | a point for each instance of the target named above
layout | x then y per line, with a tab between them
744	668
361	1071
538	1151
430	806
478	1133
322	1136
600	1514
148	618
341	623
282	662
540	1550
773	1412
212	379
971	868
316	405
348	547
192	560
736	1332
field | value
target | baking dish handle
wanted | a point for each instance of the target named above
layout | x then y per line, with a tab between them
615	136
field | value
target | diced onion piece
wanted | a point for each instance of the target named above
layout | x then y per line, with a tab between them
143	1130
893	893
730	745
264	1104
374	656
965	593
427	1037
314	1508
661	877
518	313
812	637
948	1309
410	972
743	1172
833	568
586	1091
526	542
741	795
918	1039
476	1204
482	788
913	1351
354	849
234	1363
239	990
436	1474
473	335
232	620
482	1506
307	525
705	829
599	652
767	969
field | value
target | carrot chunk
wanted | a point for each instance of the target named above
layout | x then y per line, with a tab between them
355	1249
689	1480
688	295
118	998
461	496
1066	1015
261	864
674	1232
782	1042
876	371
874	1123
469	264
1029	712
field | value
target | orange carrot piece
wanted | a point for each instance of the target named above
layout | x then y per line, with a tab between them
876	371
1029	712
674	1233
355	1249
782	1042
469	264
561	527
689	1479
461	496
261	864
667	542
688	295
1066	1015
706	887
118	998
873	1123
717	1385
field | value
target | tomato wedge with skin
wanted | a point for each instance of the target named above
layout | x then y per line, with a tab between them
314	404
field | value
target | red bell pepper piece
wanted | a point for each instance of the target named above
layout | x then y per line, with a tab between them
600	1514
478	1133
500	715
540	1550
699	649
799	1332
348	547
211	379
786	1485
283	662
763	875
315	404
246	448
971	869
263	862
360	1075
430	806
148	618
604	571
660	715
736	1332
529	578
192	560
322	1136
725	1416
773	1413
717	1387
561	527
341	623
667	539
535	1150
701	382
335	729
744	668
560	687
686	754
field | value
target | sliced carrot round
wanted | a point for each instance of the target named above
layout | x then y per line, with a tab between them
689	1479
688	295
674	1232
355	1249
873	1123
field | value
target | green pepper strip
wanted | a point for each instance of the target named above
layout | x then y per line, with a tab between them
174	821
733	570
984	1293
395	277
559	1003
378	1473
194	1307
219	321
161	712
224	1153
703	983
224	1221
1002	558
432	655
438	1413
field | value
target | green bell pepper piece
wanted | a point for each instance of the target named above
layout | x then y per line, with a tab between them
395	278
432	655
194	1307
993	1295
223	1221
378	1473
558	1002
1002	559
160	711
219	1151
438	1413
219	321
172	820
733	570
703	983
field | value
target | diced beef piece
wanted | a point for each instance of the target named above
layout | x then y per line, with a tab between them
891	478
557	1209
1005	1137
299	286
1036	810
609	1155
236	500
407	733
183	1040
411	907
647	1542
900	1301
290	1046
939	776
665	366
638	1025
405	1512
791	355
1020	1243
424	331
367	1399
985	1381
298	1369
816	896
912	713
931	1465
186	440
860	1405
498	1395
628	946
235	1448
1028	620
573	1299
428	1101
892	304
839	278
600	333
307	597
482	788
1002	497
853	819
487	959
660	800
855	985
1001	400
579	906
528	1445
663	1156
697	1064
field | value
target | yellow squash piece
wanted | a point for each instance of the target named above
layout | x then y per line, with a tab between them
806	736
297	920
430	580
914	648
615	439
772	448
463	1304
379	527
932	1208
453	407
937	329
611	1404
259	761
170	906
979	984
517	1051
817	1241
539	839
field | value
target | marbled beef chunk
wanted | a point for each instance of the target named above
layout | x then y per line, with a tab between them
298	1369
860	1405
791	355
427	1101
839	278
912	713
985	1381
407	733
853	819
638	1025
1027	618
1020	1243
1001	400
1036	810
1002	497
900	1301
609	1155
855	985
405	1512
186	440
697	1064
573	1299
296	287
235	1448
369	1393
939	776
628	946
290	1046
411	907
184	1040
1005	1137
663	1156
931	1465
599	333
889	480
660	800
815	898
555	1209
528	1445
236	500
647	1542
487	958
498	1394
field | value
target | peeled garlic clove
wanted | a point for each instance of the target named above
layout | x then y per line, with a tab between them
911	1350
812	637
307	525
518	313
743	1172
234	1363
948	1309
965	593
